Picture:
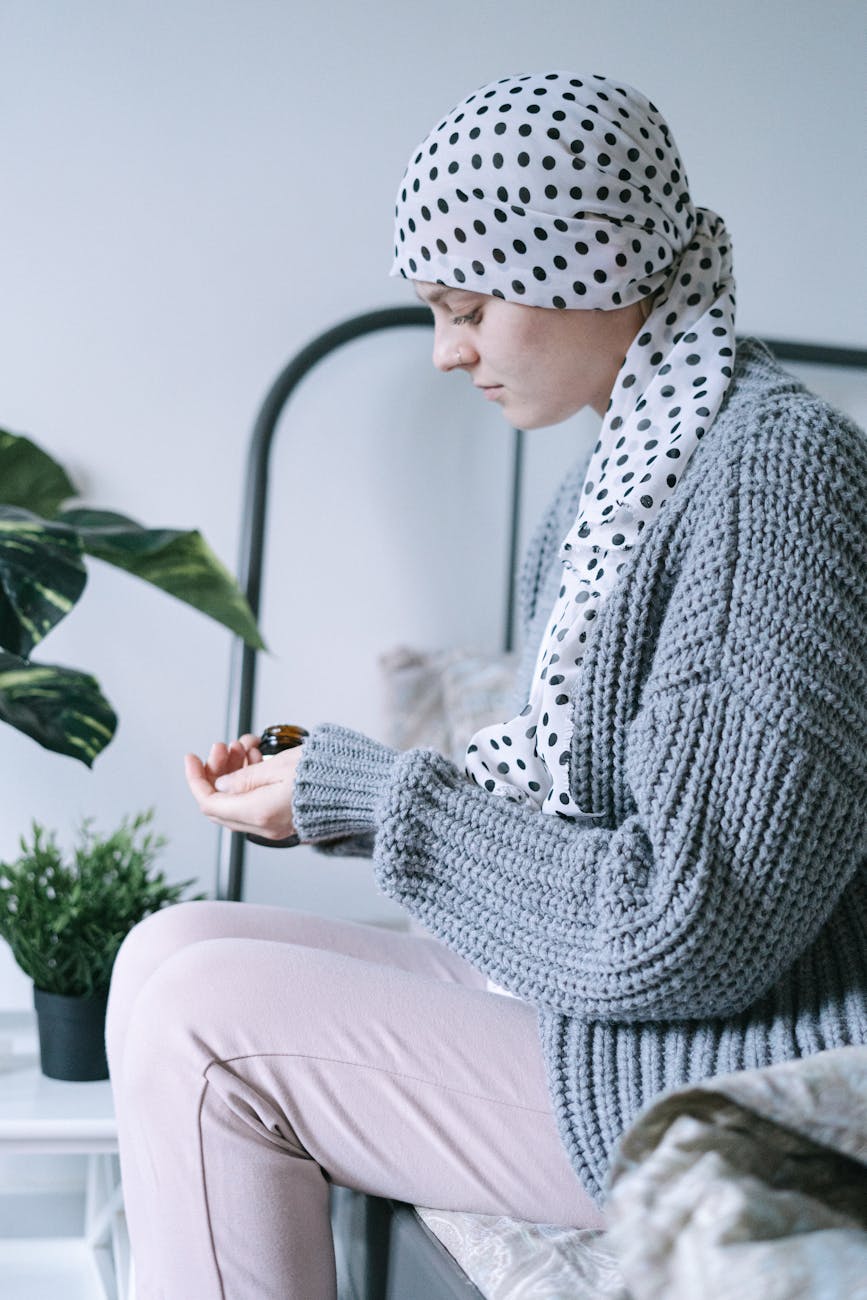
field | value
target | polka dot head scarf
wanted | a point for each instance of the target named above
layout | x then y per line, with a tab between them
568	192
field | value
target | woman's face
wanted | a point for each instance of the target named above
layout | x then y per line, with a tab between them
540	365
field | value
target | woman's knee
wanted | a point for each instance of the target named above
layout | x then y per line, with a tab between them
161	998
181	1019
147	946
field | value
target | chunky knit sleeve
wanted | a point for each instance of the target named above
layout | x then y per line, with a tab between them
739	849
739	756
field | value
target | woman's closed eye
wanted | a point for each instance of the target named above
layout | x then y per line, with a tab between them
471	318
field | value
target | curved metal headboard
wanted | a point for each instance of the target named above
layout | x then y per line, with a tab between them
242	676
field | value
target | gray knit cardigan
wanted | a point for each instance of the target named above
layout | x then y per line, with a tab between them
712	915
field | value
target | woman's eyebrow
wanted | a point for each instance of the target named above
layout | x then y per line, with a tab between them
441	291
435	295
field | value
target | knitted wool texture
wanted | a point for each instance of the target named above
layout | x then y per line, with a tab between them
715	917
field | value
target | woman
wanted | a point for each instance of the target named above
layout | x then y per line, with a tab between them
661	857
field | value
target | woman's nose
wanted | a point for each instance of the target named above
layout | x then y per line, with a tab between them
451	354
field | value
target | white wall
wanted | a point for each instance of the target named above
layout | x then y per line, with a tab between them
191	190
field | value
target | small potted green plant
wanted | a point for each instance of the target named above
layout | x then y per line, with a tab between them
65	921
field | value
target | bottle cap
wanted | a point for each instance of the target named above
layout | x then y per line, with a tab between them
284	735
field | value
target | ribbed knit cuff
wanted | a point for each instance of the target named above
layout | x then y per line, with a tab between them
338	781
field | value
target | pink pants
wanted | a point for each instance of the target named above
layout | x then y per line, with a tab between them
257	1054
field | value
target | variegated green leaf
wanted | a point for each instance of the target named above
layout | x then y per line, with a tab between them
62	709
180	563
30	478
42	575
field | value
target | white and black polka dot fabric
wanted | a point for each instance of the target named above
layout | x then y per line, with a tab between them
560	191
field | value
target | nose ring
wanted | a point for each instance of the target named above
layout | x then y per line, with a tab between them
460	357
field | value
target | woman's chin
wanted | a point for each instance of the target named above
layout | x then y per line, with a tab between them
529	419
527	415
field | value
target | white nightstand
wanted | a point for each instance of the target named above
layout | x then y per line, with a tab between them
40	1116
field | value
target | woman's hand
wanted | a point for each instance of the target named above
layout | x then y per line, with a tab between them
236	789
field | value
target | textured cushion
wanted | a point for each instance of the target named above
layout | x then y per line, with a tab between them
510	1260
440	698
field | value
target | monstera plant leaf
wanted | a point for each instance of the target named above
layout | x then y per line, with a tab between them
61	708
180	563
31	478
43	575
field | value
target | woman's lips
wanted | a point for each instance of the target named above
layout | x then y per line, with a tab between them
491	391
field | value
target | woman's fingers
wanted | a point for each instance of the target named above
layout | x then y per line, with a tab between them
264	811
254	798
251	776
217	760
251	746
198	778
237	756
223	758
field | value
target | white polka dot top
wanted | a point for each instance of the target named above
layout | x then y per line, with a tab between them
561	191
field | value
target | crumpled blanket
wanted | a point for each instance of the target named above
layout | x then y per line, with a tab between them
750	1186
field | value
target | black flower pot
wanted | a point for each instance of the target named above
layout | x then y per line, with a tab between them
71	1035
